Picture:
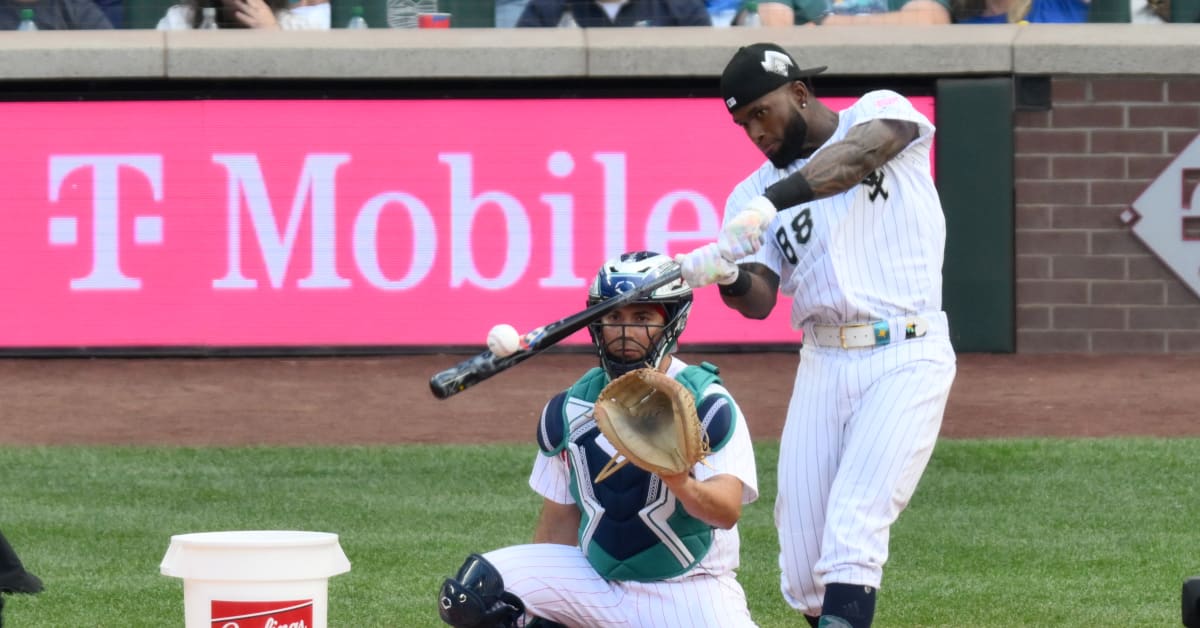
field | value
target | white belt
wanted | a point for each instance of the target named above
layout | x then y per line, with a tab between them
873	334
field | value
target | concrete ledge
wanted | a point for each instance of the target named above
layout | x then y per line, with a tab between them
82	55
1130	49
670	52
848	51
912	50
497	54
377	53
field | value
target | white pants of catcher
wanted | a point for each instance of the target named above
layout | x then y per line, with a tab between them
556	582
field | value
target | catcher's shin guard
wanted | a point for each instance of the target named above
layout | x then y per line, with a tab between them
1191	603
13	577
475	598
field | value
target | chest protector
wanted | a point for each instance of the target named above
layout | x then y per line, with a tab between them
632	527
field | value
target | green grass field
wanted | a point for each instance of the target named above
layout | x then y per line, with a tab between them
1000	533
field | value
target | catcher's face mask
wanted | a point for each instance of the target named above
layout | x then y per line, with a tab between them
629	272
629	333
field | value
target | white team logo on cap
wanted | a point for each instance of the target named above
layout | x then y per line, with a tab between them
776	62
730	102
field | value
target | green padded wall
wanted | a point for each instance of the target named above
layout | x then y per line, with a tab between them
974	162
1185	11
374	12
1109	11
470	13
146	13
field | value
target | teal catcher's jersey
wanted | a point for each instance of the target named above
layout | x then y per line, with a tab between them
631	526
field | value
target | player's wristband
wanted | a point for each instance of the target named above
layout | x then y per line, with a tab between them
790	191
739	287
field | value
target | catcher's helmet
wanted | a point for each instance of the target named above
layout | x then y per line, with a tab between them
629	272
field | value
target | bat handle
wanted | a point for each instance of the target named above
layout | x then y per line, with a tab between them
443	384
469	372
456	378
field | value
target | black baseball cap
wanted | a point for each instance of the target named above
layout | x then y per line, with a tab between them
757	69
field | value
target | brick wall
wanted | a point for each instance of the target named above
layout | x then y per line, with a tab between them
1084	282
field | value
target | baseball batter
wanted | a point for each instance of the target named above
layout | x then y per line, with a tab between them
636	549
857	244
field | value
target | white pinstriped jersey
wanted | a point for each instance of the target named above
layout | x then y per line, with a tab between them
861	422
873	252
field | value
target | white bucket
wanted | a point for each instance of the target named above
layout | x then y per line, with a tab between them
255	578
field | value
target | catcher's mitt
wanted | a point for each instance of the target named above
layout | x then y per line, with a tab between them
651	421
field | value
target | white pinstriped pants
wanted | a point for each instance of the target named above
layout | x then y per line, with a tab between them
860	429
556	582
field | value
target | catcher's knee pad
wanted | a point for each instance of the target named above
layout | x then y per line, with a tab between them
475	598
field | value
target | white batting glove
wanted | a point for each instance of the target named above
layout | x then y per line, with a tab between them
743	235
705	266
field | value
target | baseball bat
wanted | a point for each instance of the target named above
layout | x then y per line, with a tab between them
473	370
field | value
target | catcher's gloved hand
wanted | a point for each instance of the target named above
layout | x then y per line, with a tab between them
743	235
705	266
651	421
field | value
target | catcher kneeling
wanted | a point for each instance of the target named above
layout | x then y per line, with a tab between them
650	543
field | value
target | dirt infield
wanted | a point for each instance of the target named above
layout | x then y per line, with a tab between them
386	400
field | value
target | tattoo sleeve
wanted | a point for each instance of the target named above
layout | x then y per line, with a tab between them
842	165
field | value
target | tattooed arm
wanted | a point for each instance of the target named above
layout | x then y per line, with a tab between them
843	165
835	169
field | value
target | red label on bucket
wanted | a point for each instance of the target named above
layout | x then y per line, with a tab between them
274	614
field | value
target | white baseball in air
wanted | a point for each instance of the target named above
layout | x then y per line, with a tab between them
503	340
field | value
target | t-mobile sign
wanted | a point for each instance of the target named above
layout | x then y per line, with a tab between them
336	222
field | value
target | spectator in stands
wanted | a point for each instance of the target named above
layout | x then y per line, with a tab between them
1150	11
722	12
114	10
853	12
508	12
1144	11
594	13
54	15
1020	11
270	14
